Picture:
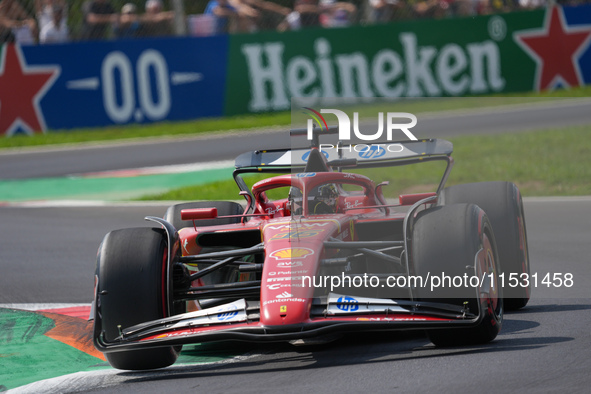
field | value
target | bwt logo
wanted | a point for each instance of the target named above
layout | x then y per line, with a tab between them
345	124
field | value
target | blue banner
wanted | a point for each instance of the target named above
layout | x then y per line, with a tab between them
93	84
579	17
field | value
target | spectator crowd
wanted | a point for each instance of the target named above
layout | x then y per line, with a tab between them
50	21
99	19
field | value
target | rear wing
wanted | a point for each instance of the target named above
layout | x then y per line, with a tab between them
362	155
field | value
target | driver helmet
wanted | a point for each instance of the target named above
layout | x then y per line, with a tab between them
326	200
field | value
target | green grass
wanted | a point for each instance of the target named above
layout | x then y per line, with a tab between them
164	129
542	163
195	127
547	163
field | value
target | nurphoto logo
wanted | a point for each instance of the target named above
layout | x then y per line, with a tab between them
344	124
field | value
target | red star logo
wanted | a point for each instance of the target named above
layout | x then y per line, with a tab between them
556	48
21	89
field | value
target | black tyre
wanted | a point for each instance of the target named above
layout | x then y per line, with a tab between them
504	207
131	286
225	208
455	241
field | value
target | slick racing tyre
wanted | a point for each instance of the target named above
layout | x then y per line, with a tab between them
225	208
132	289
457	241
504	207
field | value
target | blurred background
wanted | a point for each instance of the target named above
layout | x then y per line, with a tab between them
109	19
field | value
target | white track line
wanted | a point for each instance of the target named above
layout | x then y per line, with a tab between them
37	306
83	381
158	170
91	203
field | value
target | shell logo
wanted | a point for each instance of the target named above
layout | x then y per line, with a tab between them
291	253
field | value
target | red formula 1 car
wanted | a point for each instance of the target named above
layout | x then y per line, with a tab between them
316	251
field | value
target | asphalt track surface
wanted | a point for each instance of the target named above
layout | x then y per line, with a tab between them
53	162
49	253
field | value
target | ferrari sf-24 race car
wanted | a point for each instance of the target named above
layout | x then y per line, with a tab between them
296	268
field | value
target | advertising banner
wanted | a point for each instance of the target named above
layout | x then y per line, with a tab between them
107	83
516	52
96	84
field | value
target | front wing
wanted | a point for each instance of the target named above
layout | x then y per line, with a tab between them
239	320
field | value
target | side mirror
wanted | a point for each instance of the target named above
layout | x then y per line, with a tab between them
380	196
199	213
410	199
249	204
378	189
